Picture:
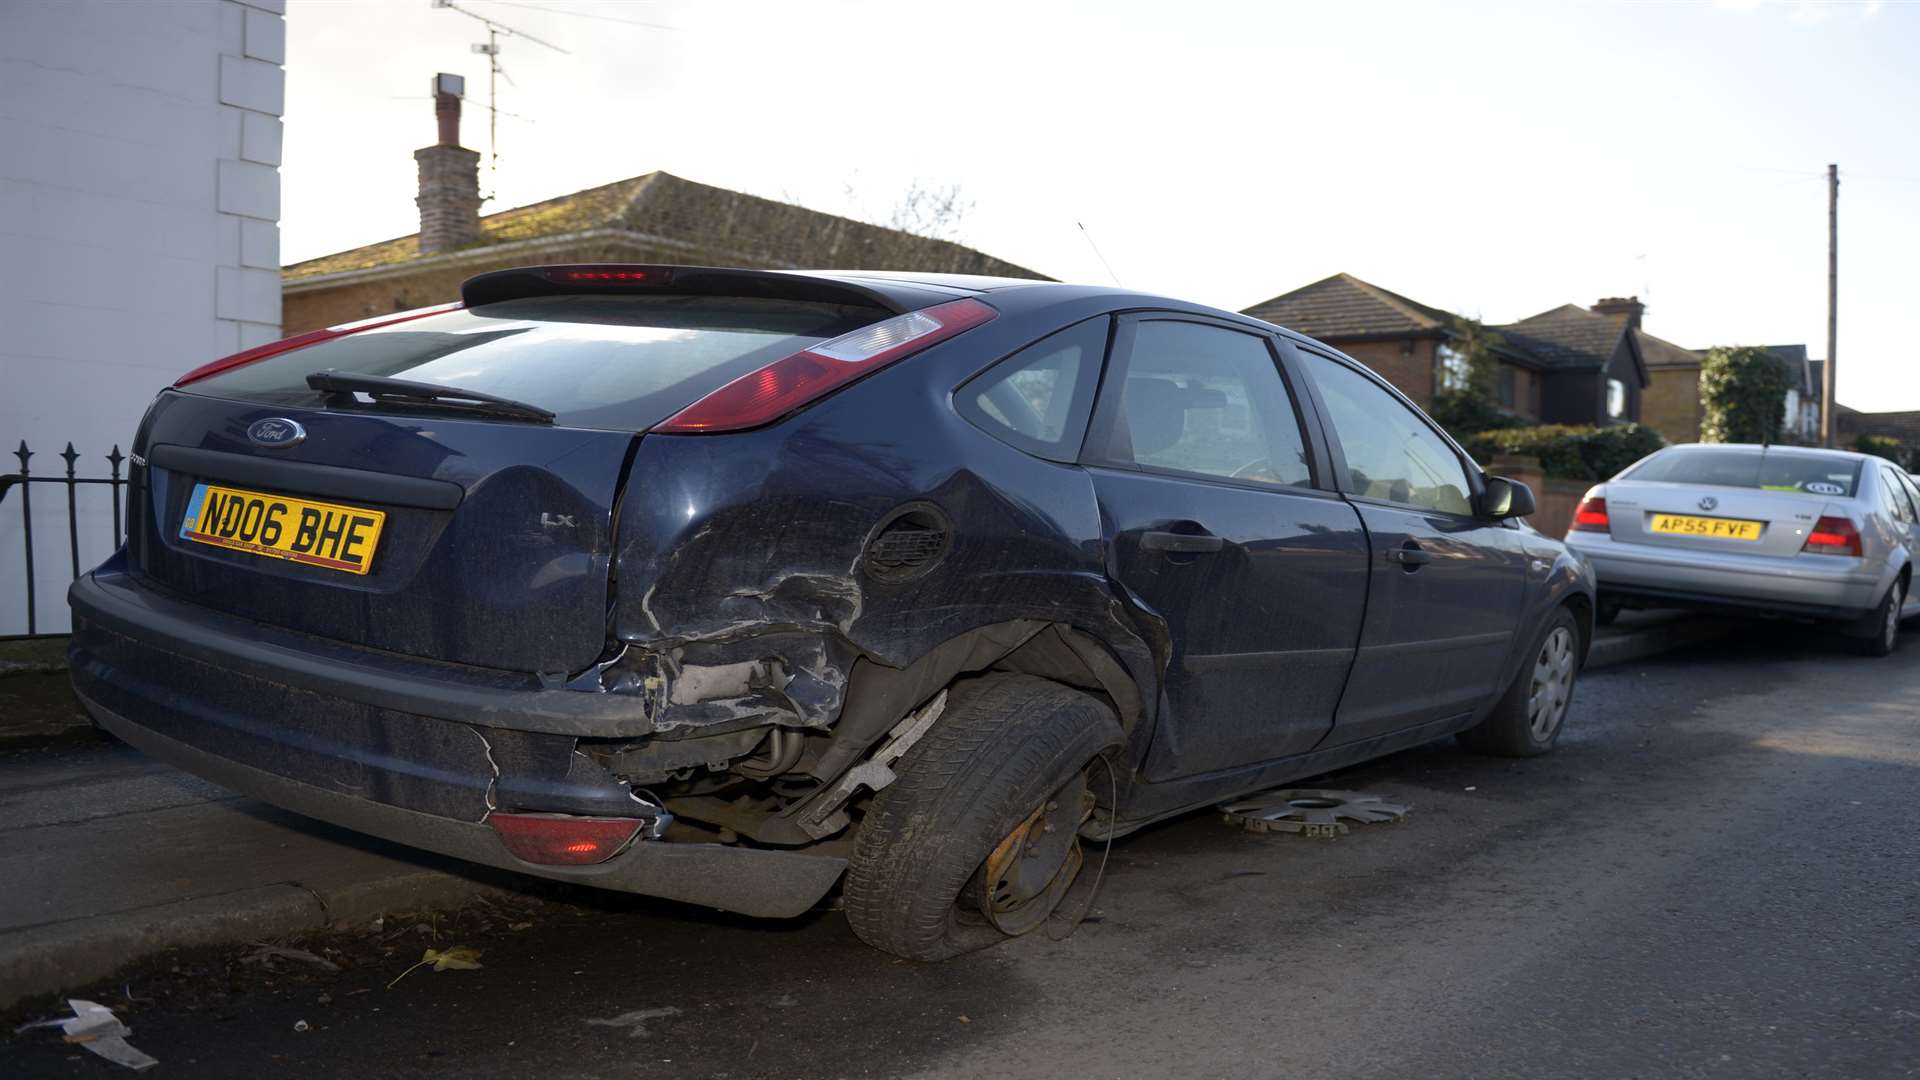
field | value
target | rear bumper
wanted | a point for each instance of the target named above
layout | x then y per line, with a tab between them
1813	586
413	778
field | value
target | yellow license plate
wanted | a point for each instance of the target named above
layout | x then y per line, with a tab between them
316	533
1719	528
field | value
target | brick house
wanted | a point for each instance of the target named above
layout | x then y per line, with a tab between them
1673	406
1570	365
654	218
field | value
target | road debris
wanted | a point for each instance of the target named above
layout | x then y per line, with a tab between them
1309	811
458	958
635	1020
302	1025
94	1027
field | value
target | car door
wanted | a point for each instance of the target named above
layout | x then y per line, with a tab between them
1444	587
1221	523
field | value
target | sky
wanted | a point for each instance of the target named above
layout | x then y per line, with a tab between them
1494	159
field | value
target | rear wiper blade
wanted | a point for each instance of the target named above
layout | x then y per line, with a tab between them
384	389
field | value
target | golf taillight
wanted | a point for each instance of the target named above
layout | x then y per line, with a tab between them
1833	536
763	396
563	839
1591	516
311	337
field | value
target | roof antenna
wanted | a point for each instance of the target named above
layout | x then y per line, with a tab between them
1097	255
491	50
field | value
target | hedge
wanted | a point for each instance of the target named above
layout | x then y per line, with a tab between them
1569	452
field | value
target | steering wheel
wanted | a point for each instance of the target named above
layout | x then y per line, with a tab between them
1252	469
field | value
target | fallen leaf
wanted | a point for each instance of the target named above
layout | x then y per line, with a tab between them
457	958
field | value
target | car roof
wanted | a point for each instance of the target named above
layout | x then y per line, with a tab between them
1777	448
966	282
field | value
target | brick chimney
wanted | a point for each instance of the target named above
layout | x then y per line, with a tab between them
1630	306
449	199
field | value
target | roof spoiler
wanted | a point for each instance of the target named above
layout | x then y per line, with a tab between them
521	282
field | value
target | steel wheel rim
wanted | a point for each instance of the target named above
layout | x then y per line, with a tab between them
1894	603
1552	684
1030	869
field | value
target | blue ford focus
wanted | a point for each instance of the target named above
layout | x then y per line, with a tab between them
725	586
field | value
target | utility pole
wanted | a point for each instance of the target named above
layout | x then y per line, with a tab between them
1829	435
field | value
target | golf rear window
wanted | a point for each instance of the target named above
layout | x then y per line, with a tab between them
622	363
1766	470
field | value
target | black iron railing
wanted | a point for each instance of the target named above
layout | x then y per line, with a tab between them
24	480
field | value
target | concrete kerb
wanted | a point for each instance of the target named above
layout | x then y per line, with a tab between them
68	955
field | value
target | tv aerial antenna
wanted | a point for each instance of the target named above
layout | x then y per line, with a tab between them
491	50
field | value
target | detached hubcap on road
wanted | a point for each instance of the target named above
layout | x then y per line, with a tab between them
1552	683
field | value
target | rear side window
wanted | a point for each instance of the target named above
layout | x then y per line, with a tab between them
1767	470
1038	399
1896	496
623	363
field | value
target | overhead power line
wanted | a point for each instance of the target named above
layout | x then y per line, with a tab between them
585	15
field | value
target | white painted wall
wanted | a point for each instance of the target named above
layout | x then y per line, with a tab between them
139	236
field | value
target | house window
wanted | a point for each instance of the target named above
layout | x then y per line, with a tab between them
1616	398
1453	373
1507	386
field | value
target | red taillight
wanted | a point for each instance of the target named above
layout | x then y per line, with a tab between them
311	337
1833	536
763	396
563	839
1591	516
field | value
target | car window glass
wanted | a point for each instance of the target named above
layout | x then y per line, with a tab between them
1907	485
1392	455
1896	496
1752	467
1038	398
1207	401
618	362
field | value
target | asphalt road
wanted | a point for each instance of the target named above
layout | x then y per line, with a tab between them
1717	874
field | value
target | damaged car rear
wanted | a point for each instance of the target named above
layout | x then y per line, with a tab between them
721	585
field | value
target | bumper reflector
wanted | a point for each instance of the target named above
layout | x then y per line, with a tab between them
563	839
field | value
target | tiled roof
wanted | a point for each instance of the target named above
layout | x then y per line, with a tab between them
1904	426
1661	353
661	203
1569	336
1794	359
1343	306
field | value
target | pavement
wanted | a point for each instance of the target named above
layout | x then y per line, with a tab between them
173	861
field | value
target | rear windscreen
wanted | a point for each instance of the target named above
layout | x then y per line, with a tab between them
1767	470
623	363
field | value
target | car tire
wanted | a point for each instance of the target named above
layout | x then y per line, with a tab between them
1528	718
979	780
1885	623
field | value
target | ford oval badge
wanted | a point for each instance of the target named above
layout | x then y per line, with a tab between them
276	433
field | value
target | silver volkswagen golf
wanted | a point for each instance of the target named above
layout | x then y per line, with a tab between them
1821	534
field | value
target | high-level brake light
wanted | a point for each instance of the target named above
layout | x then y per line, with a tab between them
604	275
1833	536
1591	516
311	337
763	396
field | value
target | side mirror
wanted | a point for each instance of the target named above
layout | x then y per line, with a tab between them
1503	498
